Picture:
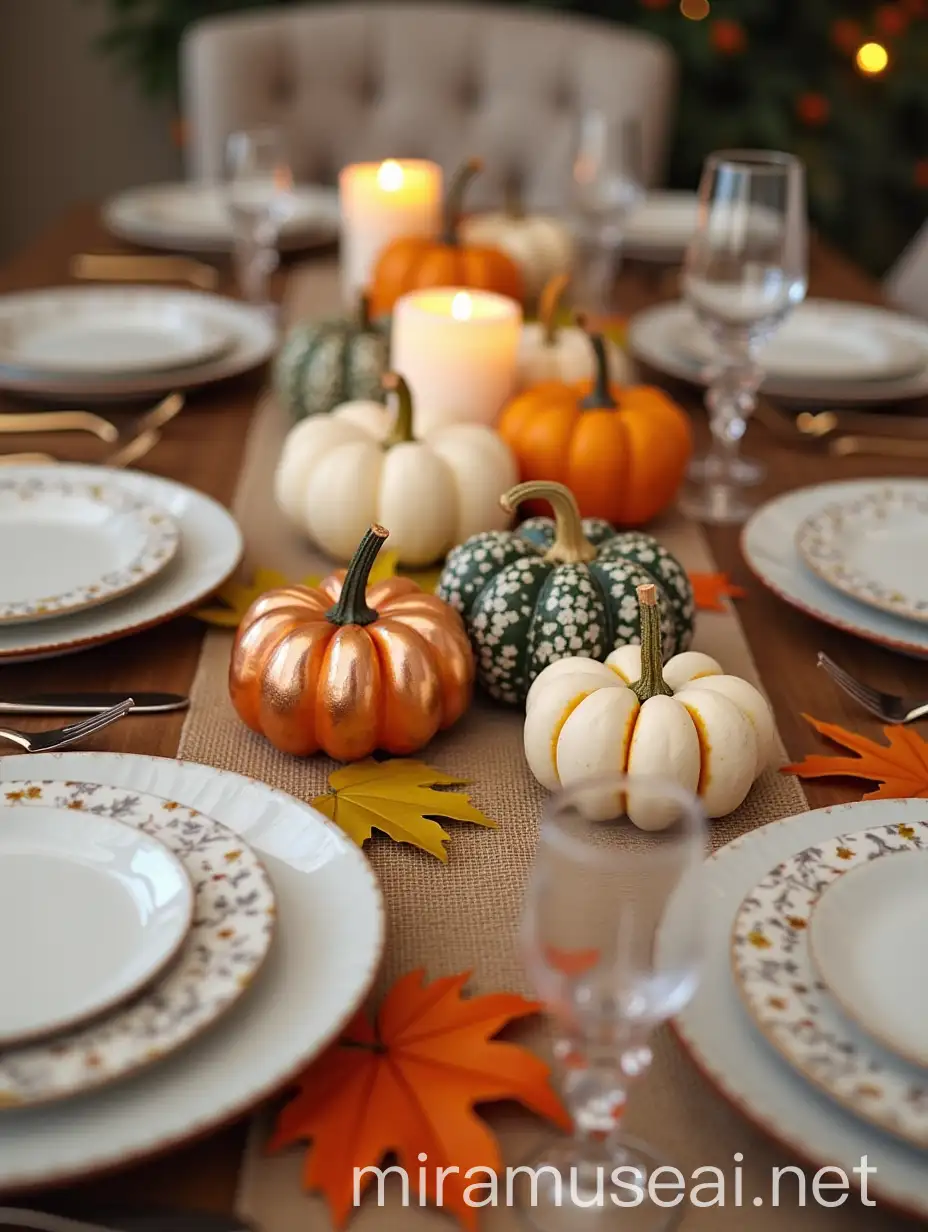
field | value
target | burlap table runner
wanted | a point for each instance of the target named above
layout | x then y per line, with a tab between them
463	916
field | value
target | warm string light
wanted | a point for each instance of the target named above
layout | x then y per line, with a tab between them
695	10
872	59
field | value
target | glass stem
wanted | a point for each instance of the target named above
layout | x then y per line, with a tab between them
255	259
730	401
595	1088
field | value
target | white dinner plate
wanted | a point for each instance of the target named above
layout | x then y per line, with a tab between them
768	545
662	226
654	338
825	340
216	960
210	549
866	941
797	914
328	944
735	1057
194	217
90	911
251	336
66	546
872	547
106	331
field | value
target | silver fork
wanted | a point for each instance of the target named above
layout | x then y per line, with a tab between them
886	706
47	741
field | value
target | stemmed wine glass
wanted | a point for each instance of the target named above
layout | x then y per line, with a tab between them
607	183
597	895
745	271
259	197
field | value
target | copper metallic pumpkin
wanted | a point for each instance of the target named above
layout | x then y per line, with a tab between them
348	669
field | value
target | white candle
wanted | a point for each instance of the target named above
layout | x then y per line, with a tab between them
456	350
380	202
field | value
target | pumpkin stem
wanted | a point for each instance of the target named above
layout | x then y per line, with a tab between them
600	398
548	305
352	607
454	198
401	432
570	545
364	312
652	682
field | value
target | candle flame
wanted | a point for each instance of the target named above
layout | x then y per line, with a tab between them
462	307
390	176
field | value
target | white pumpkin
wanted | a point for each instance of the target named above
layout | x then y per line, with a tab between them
549	352
360	464
541	246
685	721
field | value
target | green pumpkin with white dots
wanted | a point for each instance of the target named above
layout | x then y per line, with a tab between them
322	364
554	588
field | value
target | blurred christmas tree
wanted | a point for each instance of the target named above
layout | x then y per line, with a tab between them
842	83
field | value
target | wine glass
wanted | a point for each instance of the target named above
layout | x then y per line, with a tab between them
607	183
597	894
745	271
259	197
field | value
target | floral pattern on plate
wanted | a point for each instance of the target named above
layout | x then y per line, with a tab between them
153	536
778	984
825	540
233	926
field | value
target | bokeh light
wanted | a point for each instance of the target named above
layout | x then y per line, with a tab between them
872	59
695	10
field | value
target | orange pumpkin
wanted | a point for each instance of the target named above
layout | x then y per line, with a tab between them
622	451
416	263
347	669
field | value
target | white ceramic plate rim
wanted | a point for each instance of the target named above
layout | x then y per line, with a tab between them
330	938
211	972
817	542
211	548
650	340
838	317
253	340
145	967
769	550
792	1008
129	216
737	1062
875	1029
664	220
159	533
31	312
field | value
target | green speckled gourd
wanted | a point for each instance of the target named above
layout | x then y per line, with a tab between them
554	588
325	363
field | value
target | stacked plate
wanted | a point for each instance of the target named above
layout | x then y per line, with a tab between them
850	554
89	554
827	352
176	943
195	217
811	1014
661	227
108	343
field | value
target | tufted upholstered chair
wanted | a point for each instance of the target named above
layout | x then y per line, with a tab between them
350	82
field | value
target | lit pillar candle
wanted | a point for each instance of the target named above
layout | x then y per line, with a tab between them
457	351
380	202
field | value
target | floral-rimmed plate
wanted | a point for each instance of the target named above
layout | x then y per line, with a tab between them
871	547
229	939
781	989
67	545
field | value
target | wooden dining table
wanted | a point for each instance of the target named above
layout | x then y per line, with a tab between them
203	448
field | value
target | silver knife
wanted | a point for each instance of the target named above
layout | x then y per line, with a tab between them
91	703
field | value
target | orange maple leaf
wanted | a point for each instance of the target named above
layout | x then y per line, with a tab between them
901	767
407	1087
709	589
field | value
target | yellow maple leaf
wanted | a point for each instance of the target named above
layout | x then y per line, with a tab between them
235	598
397	797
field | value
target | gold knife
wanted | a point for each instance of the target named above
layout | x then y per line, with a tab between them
120	267
877	447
